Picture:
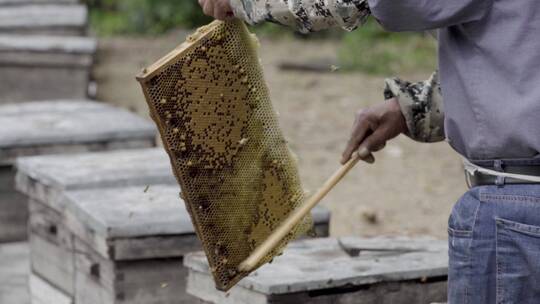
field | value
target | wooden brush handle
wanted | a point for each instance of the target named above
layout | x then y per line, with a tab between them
297	215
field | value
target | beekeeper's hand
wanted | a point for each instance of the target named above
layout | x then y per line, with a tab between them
219	9
373	127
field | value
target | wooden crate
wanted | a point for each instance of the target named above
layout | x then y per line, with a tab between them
45	178
336	271
45	67
58	127
129	244
46	19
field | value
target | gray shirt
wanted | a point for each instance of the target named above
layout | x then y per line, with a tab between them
489	61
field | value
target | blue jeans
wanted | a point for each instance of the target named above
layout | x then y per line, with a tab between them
494	246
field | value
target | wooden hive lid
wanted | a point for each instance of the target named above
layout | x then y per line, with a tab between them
37	17
69	122
328	263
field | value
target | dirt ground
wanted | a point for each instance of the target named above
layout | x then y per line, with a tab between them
409	190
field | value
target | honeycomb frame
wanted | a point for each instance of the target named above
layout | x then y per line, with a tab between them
238	178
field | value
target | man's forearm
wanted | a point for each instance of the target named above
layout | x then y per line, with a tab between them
304	15
422	106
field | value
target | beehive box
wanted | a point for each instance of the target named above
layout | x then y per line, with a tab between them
58	127
46	18
25	2
336	271
44	67
46	178
14	273
128	244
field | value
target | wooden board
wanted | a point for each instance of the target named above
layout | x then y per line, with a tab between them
337	271
33	128
13	216
45	67
151	224
42	292
23	2
51	247
135	282
44	178
14	270
44	19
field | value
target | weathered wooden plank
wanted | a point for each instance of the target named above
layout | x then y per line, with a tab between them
7	178
13	216
136	282
14	269
335	271
154	247
10	155
321	221
51	247
40	44
48	130
131	211
44	67
44	19
139	219
22	2
44	178
93	123
42	292
123	222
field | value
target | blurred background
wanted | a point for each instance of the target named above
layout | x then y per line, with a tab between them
317	83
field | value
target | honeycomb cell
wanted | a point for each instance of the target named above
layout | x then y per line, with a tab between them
239	180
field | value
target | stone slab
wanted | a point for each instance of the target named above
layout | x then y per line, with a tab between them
322	265
32	128
55	19
14	270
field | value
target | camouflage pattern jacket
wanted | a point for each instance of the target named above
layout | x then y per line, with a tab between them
422	106
421	103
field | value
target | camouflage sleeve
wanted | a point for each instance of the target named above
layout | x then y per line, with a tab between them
304	15
422	106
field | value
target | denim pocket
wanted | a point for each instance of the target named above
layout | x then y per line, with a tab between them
459	265
518	262
460	235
